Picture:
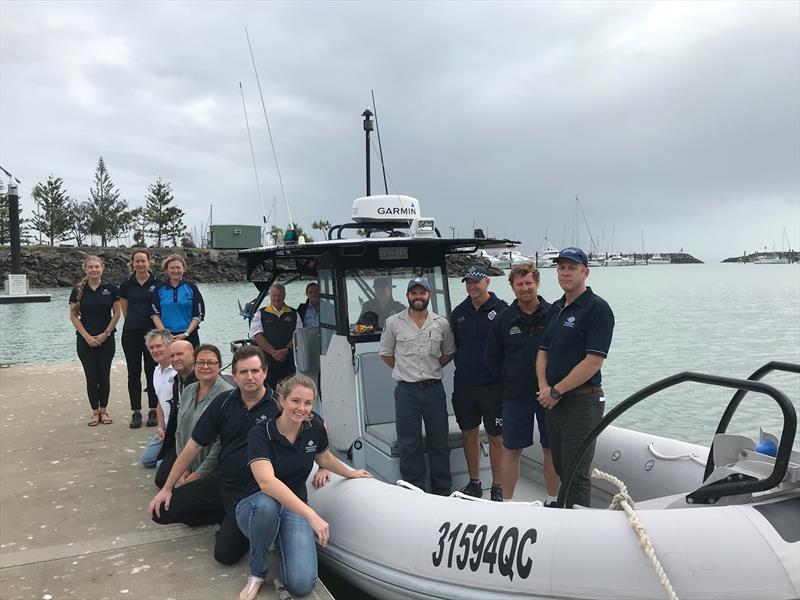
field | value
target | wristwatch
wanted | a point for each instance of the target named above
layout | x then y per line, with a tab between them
554	393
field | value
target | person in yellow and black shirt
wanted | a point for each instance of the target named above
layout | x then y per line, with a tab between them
272	330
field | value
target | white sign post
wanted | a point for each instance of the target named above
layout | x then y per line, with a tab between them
17	284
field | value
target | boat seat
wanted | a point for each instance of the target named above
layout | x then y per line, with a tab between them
384	436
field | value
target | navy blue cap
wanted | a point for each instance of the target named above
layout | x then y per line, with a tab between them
423	281
475	273
574	254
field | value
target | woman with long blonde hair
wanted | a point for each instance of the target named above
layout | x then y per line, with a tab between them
94	311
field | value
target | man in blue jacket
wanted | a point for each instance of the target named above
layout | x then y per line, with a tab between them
511	349
476	388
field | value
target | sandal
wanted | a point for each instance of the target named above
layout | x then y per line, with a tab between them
105	419
95	421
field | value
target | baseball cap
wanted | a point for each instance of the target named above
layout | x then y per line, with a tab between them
423	281
574	254
475	273
382	282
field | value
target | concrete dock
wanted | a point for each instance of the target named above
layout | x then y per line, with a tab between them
73	500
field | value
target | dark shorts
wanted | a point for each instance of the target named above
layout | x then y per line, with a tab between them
473	402
518	418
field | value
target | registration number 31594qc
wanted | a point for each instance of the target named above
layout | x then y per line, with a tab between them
474	546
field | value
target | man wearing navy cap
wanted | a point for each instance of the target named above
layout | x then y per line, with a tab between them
477	391
575	343
416	344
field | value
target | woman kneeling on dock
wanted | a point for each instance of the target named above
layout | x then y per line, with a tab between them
281	453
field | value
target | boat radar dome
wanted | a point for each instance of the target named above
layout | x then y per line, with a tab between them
385	208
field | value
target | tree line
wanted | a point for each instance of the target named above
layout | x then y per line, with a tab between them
57	217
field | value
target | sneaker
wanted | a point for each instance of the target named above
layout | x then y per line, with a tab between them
550	504
473	488
136	420
496	493
152	420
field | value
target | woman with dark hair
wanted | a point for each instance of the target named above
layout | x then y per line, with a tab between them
177	304
135	300
94	311
281	453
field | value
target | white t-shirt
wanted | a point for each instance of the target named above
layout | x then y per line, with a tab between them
162	382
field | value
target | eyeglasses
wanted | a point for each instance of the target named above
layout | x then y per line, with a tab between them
207	363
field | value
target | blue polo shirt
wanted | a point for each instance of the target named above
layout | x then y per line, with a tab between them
584	327
177	306
470	330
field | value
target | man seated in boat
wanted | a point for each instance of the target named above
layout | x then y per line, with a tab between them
272	329
511	349
416	344
383	305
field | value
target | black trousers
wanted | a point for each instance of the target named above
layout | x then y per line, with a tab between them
96	363
278	370
568	424
135	351
162	472
207	501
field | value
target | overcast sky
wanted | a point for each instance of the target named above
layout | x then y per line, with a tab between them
675	123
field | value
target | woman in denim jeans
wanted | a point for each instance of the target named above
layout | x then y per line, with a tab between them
281	453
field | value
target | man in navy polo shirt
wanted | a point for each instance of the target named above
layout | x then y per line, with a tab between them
213	499
511	348
477	391
575	344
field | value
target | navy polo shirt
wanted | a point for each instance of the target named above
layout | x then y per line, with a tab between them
96	306
292	463
139	297
511	348
227	417
584	327
470	330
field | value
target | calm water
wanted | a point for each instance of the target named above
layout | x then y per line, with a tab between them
723	319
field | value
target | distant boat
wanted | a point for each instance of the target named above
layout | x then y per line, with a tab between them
772	259
546	256
512	257
617	260
657	259
493	260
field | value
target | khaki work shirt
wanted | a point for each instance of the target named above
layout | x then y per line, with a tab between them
416	350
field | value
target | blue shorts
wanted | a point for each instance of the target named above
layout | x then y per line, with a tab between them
518	418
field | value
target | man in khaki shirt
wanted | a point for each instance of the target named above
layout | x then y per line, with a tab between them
416	344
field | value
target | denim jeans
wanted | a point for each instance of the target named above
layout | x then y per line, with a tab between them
263	519
149	457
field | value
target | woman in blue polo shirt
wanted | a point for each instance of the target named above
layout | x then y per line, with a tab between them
281	453
177	304
135	294
94	311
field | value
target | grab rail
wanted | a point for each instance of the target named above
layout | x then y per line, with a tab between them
712	492
737	398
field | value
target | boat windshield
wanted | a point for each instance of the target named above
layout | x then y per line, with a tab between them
373	295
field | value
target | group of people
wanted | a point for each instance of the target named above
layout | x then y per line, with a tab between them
174	305
238	453
519	366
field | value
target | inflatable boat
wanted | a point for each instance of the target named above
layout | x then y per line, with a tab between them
687	521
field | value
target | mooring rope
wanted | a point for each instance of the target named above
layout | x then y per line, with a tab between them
623	501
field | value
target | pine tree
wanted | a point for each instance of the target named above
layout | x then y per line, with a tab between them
139	225
53	210
108	215
165	221
79	221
